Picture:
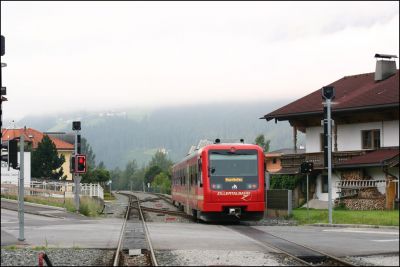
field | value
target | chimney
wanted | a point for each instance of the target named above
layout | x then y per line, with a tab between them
384	66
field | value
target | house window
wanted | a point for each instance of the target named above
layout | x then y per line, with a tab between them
324	184
371	139
274	160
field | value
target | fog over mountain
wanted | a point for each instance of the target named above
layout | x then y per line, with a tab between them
120	136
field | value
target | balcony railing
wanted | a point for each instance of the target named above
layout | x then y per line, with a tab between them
295	160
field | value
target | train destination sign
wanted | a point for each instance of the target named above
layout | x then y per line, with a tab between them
233	179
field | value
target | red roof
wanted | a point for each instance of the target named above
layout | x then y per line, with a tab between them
34	136
357	91
377	157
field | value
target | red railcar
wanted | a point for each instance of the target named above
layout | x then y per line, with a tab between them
221	181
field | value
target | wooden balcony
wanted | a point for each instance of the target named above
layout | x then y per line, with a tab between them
293	161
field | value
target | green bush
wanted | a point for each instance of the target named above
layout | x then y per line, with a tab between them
285	181
89	207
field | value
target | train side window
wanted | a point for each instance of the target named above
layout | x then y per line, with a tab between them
200	173
195	175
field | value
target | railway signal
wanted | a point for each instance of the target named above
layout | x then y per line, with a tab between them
80	164
72	164
306	167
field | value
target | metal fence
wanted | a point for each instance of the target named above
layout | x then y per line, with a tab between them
54	189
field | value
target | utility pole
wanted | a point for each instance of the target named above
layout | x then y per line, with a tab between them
3	89
328	93
21	189
76	126
307	168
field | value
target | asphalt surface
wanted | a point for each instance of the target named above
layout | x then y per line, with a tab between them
58	228
54	227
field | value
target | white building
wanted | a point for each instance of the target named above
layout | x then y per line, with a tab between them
11	176
365	134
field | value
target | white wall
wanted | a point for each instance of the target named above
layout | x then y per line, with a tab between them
324	196
11	176
390	133
349	135
313	139
376	173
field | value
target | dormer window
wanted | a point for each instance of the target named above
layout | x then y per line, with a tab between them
371	139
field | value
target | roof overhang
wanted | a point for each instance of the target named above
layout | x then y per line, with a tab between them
282	117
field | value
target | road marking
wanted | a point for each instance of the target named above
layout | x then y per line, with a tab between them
386	240
360	231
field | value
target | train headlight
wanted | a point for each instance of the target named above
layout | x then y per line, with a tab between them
251	186
216	186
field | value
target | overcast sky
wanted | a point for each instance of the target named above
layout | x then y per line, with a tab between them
67	56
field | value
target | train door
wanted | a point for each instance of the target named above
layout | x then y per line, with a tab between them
187	190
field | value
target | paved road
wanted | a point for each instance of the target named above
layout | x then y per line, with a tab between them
336	241
340	241
66	231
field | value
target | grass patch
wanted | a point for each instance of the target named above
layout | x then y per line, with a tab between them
38	248
88	206
11	247
371	217
108	196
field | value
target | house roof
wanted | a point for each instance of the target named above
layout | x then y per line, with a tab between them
283	151
352	92
34	136
380	157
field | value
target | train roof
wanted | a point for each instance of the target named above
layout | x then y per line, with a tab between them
196	150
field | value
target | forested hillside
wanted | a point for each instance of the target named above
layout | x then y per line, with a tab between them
121	136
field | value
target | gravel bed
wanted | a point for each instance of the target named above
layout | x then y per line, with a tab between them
376	260
116	208
221	257
57	256
137	260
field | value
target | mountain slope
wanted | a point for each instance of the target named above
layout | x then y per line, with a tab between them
119	137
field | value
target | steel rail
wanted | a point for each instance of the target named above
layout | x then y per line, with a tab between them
147	234
330	257
268	245
116	258
297	258
170	212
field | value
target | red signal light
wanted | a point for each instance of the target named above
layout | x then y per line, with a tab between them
81	166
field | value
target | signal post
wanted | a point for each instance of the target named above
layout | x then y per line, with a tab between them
78	162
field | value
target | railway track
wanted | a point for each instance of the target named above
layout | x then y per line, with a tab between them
301	253
304	255
134	204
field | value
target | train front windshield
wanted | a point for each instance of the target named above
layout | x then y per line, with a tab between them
236	170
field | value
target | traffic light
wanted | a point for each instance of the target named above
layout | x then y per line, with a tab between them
9	153
72	164
328	92
76	125
3	45
306	167
81	163
78	141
